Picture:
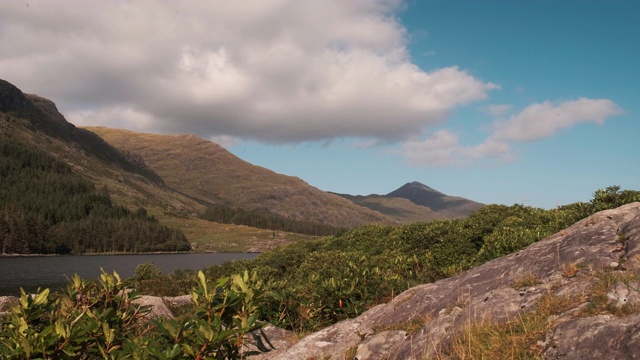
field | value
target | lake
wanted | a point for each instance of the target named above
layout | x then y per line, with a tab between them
52	271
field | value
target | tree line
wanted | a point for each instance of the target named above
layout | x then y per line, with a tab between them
265	219
46	208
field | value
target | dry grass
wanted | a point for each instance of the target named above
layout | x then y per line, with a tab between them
570	270
526	281
516	339
519	337
212	236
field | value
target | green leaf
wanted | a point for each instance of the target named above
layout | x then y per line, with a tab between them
41	297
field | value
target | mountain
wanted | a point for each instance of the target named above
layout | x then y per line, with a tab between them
47	206
450	206
41	115
416	202
205	170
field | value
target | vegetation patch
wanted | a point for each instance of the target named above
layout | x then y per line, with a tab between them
319	282
411	327
45	208
599	300
526	281
102	321
515	339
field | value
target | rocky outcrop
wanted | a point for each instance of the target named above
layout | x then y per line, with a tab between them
6	303
570	265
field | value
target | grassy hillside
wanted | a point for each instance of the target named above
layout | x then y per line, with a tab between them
204	170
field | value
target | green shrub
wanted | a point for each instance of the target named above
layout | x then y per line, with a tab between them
102	321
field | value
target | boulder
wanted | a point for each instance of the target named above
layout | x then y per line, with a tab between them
158	308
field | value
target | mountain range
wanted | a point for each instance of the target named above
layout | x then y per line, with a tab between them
179	176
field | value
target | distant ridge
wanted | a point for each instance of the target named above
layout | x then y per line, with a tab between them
422	194
415	201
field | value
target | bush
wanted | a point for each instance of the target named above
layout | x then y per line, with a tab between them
102	321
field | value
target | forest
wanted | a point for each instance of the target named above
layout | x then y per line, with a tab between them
45	208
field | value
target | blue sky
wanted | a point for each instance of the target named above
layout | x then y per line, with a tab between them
536	51
531	102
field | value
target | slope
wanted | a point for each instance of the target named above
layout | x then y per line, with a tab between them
46	207
400	210
204	170
573	295
35	123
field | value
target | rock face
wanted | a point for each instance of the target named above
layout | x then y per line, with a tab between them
423	320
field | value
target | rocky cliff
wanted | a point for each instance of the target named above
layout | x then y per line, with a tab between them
573	295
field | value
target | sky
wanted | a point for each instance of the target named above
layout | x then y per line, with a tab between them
528	102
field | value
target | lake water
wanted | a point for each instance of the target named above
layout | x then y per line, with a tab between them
52	271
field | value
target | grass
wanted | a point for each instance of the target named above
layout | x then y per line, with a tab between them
519	338
515	339
526	281
599	301
211	236
411	327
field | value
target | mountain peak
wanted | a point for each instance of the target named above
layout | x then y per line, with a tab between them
421	194
12	99
420	186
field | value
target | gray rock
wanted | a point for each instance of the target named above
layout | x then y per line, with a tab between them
280	339
597	337
178	301
158	308
6	302
486	293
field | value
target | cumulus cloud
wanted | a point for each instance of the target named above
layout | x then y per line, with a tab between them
268	70
539	121
443	148
535	122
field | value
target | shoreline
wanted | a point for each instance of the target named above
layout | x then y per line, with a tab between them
127	253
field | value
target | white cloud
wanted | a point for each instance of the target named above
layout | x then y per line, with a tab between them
270	70
535	122
539	121
225	141
441	149
118	117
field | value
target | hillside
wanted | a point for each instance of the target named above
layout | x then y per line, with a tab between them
204	170
573	295
47	208
400	210
179	178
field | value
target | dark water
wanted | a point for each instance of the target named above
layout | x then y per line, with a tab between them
50	271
